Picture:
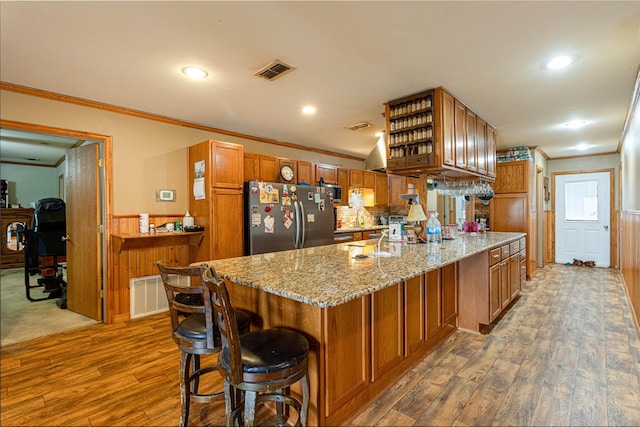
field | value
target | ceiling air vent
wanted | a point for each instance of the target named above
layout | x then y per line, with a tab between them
358	126
274	70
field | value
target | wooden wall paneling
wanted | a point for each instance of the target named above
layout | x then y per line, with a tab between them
630	258
386	330
414	321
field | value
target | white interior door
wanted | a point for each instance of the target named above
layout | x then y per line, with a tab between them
582	216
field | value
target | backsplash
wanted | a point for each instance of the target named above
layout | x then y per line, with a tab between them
351	218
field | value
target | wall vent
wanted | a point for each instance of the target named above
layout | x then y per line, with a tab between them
147	294
358	126
274	70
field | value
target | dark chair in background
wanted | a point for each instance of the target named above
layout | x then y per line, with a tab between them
259	366
45	250
194	330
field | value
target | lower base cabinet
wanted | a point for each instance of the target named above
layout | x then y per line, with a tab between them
482	298
360	348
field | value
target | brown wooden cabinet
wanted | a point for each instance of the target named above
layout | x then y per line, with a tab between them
269	169
348	355
12	253
369	179
343	181
511	208
448	140
471	143
220	211
449	295
304	171
397	186
328	173
414	314
387	330
481	145
491	151
381	190
251	162
356	178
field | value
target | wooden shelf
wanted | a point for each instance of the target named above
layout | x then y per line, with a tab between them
122	242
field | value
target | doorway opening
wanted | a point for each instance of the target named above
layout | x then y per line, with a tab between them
103	196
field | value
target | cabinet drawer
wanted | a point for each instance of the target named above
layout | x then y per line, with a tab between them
523	268
523	256
495	256
514	247
523	244
393	164
416	161
505	252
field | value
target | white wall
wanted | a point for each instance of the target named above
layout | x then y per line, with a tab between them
29	183
609	161
147	154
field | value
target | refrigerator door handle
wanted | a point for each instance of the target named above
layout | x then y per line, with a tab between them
304	228
296	235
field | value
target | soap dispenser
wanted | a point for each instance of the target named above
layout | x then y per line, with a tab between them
188	220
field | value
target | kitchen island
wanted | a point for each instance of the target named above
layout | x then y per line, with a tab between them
370	313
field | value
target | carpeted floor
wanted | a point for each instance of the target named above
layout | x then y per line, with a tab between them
22	320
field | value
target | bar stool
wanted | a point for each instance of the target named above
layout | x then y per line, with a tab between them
259	366
195	332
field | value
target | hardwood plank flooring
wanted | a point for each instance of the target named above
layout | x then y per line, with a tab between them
566	353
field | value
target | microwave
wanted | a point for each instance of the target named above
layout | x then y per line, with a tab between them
335	192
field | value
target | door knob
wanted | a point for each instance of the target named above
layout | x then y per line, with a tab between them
66	238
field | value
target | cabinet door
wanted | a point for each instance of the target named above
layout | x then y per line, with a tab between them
491	150
433	305
327	172
269	170
357	235
226	230
460	123
471	148
509	212
449	295
369	180
305	171
414	321
381	189
513	177
347	361
481	145
397	186
343	181
495	307
505	291
356	180
251	167
448	129
386	330
514	275
228	165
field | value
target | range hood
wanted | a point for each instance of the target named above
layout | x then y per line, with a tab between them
377	158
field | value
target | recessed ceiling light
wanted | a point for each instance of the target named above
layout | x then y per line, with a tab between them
575	124
195	72
582	146
379	134
309	109
560	62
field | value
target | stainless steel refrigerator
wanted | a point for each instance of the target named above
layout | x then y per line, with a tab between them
280	217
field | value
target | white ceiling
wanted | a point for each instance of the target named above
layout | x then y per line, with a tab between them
351	57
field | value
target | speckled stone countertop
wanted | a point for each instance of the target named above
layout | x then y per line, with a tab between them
327	276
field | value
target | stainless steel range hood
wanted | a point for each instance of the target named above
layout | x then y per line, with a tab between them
377	158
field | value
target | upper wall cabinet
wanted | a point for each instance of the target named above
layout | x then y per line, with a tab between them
328	173
433	132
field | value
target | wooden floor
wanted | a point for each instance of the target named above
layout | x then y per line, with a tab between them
566	353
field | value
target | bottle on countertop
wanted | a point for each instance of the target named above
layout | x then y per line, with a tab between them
188	220
434	229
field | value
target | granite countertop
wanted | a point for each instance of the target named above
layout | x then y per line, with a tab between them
356	229
327	276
